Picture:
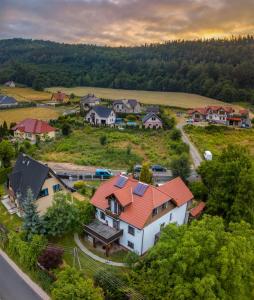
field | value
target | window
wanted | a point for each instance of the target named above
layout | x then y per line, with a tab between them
153	118
162	226
155	212
131	230
130	245
102	215
170	217
164	205
44	193
56	188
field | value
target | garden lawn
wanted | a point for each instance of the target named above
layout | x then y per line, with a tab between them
216	138
83	147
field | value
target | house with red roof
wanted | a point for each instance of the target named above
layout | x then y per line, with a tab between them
133	213
32	129
60	97
226	115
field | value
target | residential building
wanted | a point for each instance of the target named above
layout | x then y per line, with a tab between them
128	106
101	115
88	101
151	120
7	102
32	130
226	115
133	214
60	97
153	109
31	174
10	84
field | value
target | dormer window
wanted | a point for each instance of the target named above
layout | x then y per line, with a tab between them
155	212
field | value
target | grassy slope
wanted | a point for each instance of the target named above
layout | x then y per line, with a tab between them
25	94
215	141
19	114
148	97
83	147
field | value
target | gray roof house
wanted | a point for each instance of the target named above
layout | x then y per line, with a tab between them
101	115
151	120
153	109
88	101
6	101
29	173
127	106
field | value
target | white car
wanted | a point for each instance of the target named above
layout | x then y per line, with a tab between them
208	155
190	121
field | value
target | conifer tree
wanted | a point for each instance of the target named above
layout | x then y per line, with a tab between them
145	174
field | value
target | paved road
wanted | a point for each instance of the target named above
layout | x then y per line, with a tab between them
12	286
196	157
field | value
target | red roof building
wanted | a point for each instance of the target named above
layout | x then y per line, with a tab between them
197	210
60	97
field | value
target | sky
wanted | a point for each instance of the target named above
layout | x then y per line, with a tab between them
124	22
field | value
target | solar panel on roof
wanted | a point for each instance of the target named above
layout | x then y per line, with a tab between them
140	189
121	181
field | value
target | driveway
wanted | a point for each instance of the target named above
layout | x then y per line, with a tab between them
12	285
196	157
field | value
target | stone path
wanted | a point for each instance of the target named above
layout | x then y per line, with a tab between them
94	256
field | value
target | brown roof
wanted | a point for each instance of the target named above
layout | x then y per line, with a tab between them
33	126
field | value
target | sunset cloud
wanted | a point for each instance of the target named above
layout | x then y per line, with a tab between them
124	22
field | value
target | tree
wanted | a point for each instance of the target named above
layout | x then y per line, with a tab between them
5	129
62	217
199	190
203	260
180	166
66	129
7	152
229	181
31	222
145	174
51	257
71	284
175	134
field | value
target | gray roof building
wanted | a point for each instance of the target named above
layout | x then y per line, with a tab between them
102	111
7	101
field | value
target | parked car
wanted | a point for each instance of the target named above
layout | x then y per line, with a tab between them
245	126
208	155
103	173
158	168
190	121
137	168
212	122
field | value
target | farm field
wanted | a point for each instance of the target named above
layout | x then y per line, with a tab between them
25	94
216	138
183	100
123	148
19	114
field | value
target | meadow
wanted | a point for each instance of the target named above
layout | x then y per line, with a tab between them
216	138
19	114
122	150
182	100
25	94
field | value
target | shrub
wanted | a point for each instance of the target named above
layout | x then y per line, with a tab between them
128	150
175	134
131	258
199	190
103	140
51	257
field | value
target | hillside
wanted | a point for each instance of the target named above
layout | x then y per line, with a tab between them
221	69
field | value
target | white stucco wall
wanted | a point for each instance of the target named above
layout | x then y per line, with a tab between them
98	120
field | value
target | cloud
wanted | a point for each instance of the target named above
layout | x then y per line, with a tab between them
124	22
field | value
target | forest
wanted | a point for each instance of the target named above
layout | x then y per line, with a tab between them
222	69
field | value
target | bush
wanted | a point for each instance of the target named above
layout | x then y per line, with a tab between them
131	258
3	174
103	140
175	134
199	190
179	147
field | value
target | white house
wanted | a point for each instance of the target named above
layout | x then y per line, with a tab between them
151	120
101	115
132	213
10	84
127	106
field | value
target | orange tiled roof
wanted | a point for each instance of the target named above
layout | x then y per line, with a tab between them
33	126
198	209
137	209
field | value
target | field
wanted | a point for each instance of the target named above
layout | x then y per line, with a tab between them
25	94
147	97
123	148
19	114
215	138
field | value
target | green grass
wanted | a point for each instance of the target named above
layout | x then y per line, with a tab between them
216	138
83	147
148	97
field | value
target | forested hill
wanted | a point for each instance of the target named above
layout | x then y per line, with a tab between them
222	69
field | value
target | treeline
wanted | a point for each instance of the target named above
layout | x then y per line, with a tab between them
222	69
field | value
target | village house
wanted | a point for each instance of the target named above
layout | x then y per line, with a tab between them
31	174
151	120
226	115
32	130
60	97
153	109
88	101
132	213
129	106
10	84
101	115
7	102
